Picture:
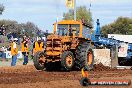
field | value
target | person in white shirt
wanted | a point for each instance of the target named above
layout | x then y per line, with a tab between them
14	51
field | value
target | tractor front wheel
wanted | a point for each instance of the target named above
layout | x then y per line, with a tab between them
67	60
39	60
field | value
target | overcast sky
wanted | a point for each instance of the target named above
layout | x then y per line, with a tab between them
44	12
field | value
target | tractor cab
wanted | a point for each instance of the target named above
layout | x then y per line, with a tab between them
67	29
72	28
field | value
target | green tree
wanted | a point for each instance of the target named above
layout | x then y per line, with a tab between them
82	14
2	8
123	25
28	29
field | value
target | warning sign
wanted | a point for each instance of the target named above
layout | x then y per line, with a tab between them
122	52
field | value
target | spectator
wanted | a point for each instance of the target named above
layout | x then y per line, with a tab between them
2	39
3	53
32	41
28	40
24	49
38	46
2	30
9	35
14	51
19	41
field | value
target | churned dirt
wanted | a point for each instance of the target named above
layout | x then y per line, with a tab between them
101	67
29	77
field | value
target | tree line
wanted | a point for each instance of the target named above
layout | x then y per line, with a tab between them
122	25
28	29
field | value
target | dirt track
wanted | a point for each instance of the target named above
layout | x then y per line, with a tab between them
29	77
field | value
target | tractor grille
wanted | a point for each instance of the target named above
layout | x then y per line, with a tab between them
53	47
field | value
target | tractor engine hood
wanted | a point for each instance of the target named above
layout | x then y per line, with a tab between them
53	36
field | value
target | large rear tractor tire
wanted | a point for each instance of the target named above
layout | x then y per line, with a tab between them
67	60
39	60
84	56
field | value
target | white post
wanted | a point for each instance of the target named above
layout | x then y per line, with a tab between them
75	10
56	23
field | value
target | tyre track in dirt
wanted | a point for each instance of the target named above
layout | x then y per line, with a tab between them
28	75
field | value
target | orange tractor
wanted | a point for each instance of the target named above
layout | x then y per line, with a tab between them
70	44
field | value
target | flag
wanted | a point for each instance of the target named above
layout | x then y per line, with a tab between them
70	4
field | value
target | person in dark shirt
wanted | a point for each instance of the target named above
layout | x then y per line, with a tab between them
2	30
25	50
